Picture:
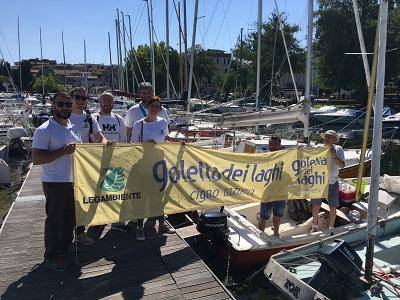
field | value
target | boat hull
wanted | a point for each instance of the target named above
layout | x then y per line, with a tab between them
352	171
250	258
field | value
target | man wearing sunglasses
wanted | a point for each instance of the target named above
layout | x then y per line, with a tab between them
88	128
53	143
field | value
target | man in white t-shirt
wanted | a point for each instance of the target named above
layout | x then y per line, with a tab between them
111	125
90	133
338	161
113	128
53	143
139	111
88	126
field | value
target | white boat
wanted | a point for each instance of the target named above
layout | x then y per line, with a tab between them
339	117
391	121
246	245
303	273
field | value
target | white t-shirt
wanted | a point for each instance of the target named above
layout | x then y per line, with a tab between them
83	126
138	111
156	130
52	136
112	126
334	170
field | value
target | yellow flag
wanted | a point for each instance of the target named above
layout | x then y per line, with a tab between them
131	181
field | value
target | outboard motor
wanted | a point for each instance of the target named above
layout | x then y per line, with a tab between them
340	271
213	225
15	144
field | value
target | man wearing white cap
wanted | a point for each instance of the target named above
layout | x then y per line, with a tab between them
330	138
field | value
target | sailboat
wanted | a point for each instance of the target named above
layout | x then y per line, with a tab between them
309	271
244	243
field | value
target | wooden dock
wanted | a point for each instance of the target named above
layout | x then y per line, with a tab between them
116	267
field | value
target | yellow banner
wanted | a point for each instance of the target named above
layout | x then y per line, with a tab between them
131	181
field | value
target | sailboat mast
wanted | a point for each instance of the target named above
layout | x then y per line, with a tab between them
132	54
120	64
376	141
273	65
287	52
116	41
19	58
65	70
125	55
151	36
185	44
259	22
167	42
41	59
362	43
180	51
241	61
86	70
111	65
196	8
307	102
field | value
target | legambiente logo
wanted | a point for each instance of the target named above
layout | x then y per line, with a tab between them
114	180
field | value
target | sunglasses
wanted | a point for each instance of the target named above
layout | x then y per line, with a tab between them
64	104
77	97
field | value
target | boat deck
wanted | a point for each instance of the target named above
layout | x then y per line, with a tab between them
116	267
386	255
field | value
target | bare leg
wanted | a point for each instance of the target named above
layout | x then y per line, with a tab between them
332	216
276	221
315	212
261	224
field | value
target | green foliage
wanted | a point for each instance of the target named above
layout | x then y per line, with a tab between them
26	75
143	56
336	34
248	52
203	67
50	82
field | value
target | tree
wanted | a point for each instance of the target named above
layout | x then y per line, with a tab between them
3	79
248	53
143	55
336	35
26	75
50	82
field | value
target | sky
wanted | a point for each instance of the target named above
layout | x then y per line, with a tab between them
219	23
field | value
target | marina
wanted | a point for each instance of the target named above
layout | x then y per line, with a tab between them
268	153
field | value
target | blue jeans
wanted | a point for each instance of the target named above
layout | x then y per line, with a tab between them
277	207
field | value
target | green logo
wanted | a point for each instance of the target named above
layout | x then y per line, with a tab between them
114	180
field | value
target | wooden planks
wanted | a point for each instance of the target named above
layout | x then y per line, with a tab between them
116	267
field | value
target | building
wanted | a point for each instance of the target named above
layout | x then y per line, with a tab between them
73	75
220	59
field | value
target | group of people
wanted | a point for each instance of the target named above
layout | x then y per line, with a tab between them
277	208
55	141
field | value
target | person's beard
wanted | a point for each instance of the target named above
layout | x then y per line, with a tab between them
63	114
106	110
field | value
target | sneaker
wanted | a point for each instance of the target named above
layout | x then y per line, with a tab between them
164	228
140	234
314	228
120	227
84	239
57	264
